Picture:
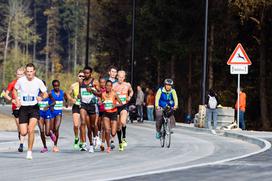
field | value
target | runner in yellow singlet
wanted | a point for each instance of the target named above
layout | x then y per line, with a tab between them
72	95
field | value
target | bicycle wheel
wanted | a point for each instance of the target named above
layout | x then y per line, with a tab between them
162	139
168	133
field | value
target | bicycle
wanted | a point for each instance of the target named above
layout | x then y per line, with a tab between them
166	132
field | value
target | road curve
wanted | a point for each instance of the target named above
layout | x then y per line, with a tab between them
143	155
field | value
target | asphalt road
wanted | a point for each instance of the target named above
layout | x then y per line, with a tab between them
144	159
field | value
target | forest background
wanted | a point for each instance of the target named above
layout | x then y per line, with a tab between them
169	39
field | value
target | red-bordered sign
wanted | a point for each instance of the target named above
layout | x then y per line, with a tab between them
239	57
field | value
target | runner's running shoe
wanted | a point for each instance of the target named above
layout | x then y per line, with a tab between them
158	135
99	142
83	147
29	155
76	144
121	147
55	149
91	149
124	142
95	141
21	148
44	150
112	145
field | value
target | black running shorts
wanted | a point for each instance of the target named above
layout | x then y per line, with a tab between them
76	109
15	113
90	108
28	112
112	116
101	114
121	108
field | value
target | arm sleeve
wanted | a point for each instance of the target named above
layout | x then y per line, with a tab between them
175	98
142	98
157	99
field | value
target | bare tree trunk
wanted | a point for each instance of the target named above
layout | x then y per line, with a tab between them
26	51
6	51
263	98
16	43
53	56
69	52
47	50
35	27
189	103
75	44
211	47
75	56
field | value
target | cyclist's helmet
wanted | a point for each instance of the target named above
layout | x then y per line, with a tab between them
168	82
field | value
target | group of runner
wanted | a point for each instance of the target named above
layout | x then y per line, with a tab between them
100	106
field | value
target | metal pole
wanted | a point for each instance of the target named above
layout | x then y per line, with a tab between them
132	44
88	34
204	71
238	100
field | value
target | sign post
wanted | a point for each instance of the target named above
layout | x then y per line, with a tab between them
239	62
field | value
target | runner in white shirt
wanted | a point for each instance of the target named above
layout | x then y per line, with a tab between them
29	87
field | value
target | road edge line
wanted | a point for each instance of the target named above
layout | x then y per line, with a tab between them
262	143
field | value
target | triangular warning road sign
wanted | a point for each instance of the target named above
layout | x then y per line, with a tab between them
239	56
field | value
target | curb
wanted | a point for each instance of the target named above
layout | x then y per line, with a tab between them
262	143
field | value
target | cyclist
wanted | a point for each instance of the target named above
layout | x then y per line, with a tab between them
165	96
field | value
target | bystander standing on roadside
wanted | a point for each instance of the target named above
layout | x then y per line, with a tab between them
212	102
140	102
150	104
242	108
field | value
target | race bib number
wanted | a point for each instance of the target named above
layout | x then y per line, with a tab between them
108	105
28	98
58	106
43	104
123	98
86	96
